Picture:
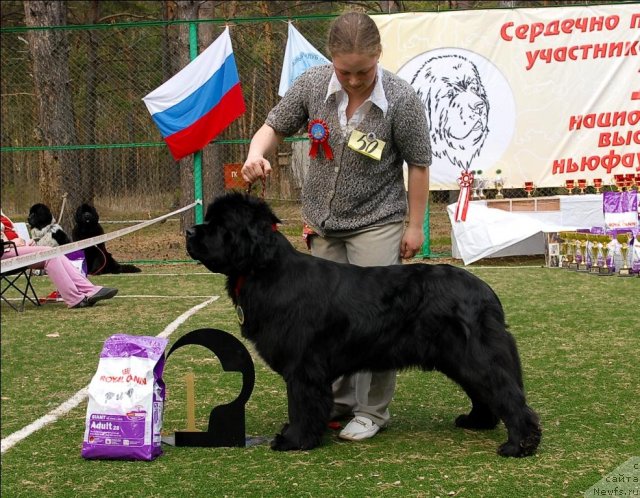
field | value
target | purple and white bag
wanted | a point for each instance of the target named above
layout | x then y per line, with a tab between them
126	400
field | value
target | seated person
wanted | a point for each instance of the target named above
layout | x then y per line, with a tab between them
76	290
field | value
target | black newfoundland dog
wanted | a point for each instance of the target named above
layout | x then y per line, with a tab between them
99	260
314	320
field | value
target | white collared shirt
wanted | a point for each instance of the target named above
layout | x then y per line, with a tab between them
377	97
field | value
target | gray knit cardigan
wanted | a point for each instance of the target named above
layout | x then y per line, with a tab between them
353	191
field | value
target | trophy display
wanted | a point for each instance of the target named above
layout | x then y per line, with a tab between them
498	181
581	246
624	239
569	185
605	269
582	186
594	250
597	184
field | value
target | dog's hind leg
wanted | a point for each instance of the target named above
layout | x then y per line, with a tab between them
309	409
494	383
522	423
496	394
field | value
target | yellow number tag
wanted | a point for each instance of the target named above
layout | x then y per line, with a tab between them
367	144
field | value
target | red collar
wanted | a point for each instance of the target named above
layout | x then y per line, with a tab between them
239	284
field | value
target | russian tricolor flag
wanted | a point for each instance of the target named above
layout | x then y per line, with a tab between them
199	102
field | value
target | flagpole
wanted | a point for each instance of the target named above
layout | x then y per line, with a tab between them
197	156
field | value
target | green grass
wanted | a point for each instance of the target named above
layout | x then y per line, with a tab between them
578	337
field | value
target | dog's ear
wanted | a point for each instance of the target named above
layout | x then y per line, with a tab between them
78	215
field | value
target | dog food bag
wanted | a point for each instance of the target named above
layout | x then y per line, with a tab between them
126	400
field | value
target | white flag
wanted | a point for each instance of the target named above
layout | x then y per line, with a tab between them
299	56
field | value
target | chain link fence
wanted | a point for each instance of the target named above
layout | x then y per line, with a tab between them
123	165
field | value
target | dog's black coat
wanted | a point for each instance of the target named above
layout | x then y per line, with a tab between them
99	260
314	320
40	217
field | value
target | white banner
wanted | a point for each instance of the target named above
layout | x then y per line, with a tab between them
543	95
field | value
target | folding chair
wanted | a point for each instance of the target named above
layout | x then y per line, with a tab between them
10	280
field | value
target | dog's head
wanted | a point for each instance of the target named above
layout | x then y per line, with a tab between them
86	214
457	107
238	235
39	216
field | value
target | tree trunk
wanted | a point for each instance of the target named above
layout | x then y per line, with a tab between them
212	168
185	10
91	81
49	49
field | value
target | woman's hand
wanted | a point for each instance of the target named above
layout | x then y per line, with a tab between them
412	241
254	168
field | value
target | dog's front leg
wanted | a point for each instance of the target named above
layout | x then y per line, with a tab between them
309	409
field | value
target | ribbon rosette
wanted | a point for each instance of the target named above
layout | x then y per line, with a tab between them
465	181
319	134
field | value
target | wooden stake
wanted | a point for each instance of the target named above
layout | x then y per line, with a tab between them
189	380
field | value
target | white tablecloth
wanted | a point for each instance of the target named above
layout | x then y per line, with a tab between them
490	232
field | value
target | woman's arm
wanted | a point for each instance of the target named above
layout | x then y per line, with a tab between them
263	143
418	196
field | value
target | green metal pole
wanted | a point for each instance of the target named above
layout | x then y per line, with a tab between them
426	246
197	157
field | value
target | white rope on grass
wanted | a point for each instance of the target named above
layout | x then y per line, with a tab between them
14	438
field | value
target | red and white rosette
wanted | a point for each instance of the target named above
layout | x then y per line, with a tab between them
465	181
319	134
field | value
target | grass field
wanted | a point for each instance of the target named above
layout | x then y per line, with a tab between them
578	336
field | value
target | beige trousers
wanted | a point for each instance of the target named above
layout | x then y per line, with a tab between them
365	393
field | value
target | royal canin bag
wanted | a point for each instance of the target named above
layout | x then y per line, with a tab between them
126	400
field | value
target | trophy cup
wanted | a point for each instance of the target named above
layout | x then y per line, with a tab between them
605	269
593	251
564	244
629	181
597	183
624	239
581	245
570	185
498	181
637	181
619	182
573	251
477	185
528	188
582	185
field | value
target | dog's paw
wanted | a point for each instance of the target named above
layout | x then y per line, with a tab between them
476	423
512	449
281	443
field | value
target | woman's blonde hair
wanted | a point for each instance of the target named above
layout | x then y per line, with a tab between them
354	32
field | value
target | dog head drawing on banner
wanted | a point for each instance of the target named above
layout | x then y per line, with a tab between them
457	107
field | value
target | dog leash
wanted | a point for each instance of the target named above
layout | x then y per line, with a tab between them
264	187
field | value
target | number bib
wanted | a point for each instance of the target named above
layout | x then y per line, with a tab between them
367	144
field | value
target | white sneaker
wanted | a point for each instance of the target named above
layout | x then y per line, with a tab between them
359	428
